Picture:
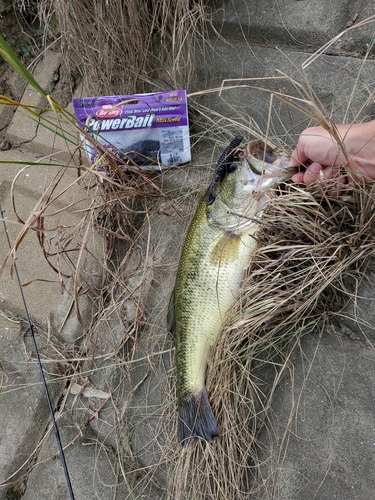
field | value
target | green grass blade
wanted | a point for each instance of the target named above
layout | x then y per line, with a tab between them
10	56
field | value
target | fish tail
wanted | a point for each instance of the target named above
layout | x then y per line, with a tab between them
196	419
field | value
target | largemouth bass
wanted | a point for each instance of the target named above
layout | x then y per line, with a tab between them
215	255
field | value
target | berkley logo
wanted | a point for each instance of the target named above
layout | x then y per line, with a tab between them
108	111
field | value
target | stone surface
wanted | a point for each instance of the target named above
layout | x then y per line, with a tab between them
284	22
299	24
248	77
39	186
93	469
24	126
44	133
321	436
24	414
43	286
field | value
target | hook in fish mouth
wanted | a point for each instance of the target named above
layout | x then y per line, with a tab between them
261	158
264	160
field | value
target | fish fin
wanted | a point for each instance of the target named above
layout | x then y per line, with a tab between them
226	249
196	419
171	320
210	356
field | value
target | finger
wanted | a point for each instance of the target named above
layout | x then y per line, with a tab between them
298	158
298	177
312	173
340	181
331	172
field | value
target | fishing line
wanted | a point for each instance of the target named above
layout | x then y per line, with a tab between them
31	331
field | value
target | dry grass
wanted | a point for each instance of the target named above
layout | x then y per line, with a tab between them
311	246
128	47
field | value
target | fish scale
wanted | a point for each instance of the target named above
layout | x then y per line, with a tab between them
218	280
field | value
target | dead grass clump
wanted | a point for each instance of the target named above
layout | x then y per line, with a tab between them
312	246
124	47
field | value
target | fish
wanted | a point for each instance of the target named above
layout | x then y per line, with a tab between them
214	258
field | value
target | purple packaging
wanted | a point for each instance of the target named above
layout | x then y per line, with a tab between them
151	130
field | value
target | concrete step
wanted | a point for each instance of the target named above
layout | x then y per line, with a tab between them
44	133
48	297
303	25
93	468
24	414
249	75
43	281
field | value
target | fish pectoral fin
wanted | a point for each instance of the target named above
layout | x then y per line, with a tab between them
210	357
226	249
171	320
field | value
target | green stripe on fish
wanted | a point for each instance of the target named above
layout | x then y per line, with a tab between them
216	253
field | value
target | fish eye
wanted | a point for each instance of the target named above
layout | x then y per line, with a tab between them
232	168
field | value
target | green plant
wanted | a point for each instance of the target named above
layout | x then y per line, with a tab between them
26	51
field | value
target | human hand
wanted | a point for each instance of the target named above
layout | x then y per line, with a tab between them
350	159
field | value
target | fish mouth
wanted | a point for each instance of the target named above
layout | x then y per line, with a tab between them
268	167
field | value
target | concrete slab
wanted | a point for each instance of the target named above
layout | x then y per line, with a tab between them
343	85
44	133
321	434
24	414
44	286
16	89
24	126
55	138
306	26
93	469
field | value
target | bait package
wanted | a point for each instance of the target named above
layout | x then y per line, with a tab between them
149	130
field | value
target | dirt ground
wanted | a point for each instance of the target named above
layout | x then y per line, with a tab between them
23	32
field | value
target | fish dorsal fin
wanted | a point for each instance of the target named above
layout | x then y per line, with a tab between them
226	249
